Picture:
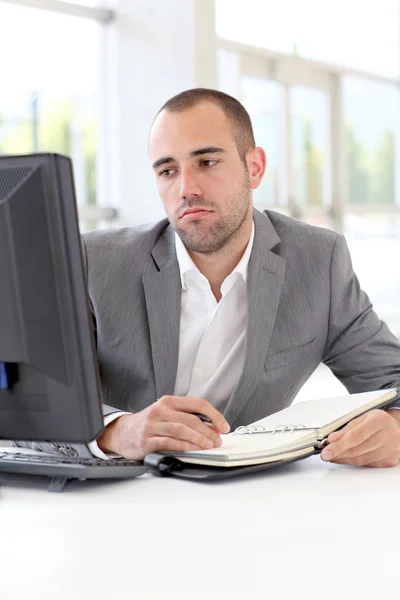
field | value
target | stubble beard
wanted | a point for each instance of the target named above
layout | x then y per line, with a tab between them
203	238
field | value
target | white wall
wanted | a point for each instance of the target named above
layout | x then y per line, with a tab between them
158	49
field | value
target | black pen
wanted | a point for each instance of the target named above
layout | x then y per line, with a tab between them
203	418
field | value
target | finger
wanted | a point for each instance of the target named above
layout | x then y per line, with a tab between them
361	430
203	407
180	431
371	444
197	424
168	444
337	435
375	458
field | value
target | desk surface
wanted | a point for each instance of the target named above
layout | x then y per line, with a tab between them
307	530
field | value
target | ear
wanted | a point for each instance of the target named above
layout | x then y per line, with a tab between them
256	165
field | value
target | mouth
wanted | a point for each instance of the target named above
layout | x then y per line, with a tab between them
194	214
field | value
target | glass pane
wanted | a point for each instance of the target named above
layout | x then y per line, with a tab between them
50	101
358	34
309	119
263	100
374	243
228	65
371	112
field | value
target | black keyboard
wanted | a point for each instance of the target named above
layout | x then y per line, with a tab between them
63	468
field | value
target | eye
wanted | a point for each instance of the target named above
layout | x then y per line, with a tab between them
208	162
166	173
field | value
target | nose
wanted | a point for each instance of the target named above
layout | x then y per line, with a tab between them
189	186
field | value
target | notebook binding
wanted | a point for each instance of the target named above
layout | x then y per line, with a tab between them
251	429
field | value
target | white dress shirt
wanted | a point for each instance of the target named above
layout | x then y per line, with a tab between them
212	334
211	342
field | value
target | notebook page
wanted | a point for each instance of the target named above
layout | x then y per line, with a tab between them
247	446
322	413
254	460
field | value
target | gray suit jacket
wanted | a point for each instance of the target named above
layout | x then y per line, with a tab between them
304	306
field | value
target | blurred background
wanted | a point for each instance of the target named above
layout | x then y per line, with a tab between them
321	81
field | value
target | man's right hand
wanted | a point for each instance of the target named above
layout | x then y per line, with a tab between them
165	425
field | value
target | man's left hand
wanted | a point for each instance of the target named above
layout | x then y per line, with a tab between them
371	440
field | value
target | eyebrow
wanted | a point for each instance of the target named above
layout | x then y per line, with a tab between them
193	154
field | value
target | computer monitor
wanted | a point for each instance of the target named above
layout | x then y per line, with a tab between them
49	379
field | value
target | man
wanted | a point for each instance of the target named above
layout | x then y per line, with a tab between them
222	310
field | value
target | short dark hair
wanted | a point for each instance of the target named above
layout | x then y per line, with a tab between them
235	112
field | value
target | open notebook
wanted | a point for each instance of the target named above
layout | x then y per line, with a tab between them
296	431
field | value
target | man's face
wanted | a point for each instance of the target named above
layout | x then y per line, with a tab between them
198	168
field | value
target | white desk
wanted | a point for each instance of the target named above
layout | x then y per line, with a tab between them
310	530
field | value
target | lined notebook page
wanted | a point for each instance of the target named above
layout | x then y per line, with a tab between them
253	459
318	414
242	446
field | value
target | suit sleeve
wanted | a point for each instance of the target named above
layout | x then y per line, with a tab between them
361	351
82	450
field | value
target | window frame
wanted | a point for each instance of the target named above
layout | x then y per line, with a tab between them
103	15
293	70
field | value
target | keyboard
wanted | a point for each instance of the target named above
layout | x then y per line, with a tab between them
63	468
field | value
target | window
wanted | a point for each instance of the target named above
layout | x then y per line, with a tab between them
309	146
263	100
50	89
372	118
340	32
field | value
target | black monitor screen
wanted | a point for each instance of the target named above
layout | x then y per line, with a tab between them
49	380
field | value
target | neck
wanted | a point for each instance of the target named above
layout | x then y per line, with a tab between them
217	266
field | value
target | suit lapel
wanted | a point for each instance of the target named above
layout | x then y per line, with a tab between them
163	301
266	274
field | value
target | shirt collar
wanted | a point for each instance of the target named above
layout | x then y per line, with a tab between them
187	265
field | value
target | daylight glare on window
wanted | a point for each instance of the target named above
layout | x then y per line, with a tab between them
358	34
50	102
